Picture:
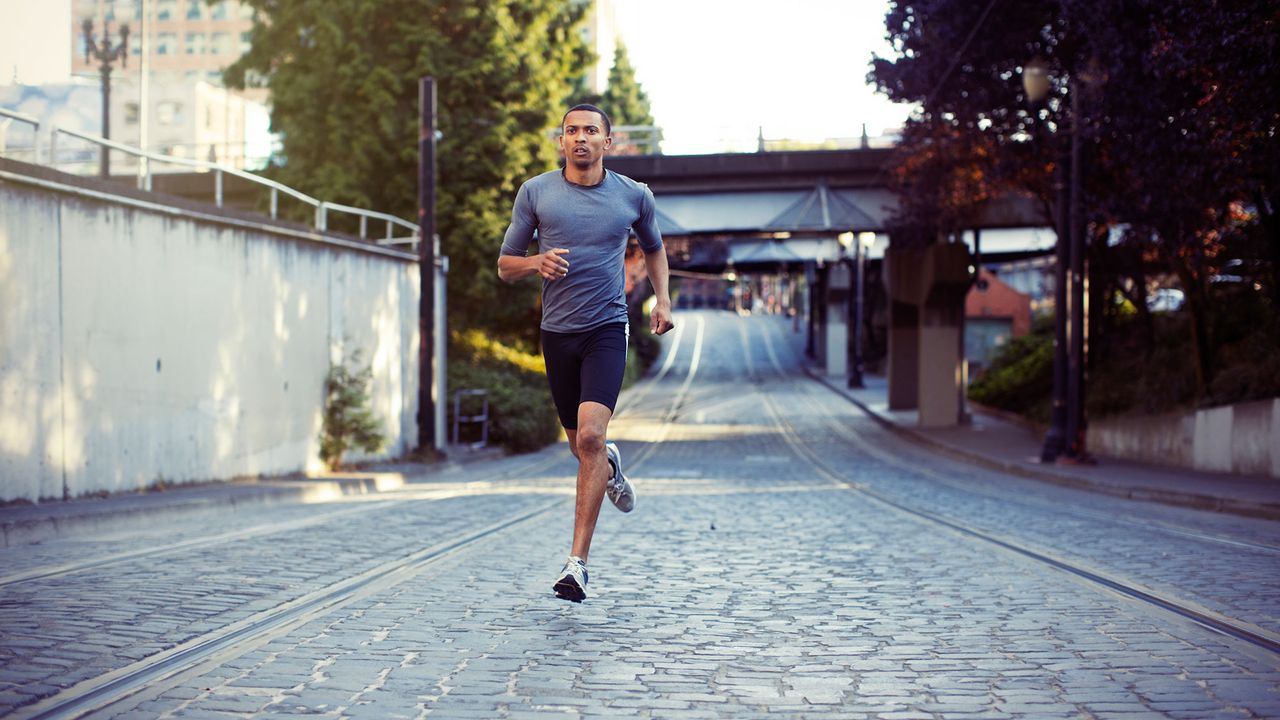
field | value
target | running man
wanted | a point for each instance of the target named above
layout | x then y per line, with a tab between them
583	216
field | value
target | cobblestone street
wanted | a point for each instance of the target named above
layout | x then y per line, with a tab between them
785	559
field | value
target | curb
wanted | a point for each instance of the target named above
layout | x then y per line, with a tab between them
1145	494
29	524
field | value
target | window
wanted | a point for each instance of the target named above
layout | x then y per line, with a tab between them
246	11
169	112
131	113
245	42
166	43
195	44
167	10
220	44
219	11
194	8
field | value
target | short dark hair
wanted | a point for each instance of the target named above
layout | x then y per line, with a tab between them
608	127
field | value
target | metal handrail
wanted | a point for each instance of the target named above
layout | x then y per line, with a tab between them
365	216
322	207
34	122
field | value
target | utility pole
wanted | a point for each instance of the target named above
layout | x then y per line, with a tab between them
1076	424
106	54
427	251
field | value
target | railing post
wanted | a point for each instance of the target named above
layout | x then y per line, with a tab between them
53	146
389	226
275	202
217	187
321	219
364	226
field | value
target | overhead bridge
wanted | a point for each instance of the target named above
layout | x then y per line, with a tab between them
786	213
756	210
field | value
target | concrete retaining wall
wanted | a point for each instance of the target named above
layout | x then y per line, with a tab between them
140	344
1242	438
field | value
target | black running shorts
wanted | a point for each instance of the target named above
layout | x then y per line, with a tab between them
583	367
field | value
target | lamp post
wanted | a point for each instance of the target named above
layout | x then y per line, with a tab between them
105	54
1065	437
1036	84
851	370
861	248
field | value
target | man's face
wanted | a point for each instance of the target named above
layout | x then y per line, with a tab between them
584	140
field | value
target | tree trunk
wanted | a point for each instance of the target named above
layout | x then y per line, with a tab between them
1266	200
1101	279
1197	312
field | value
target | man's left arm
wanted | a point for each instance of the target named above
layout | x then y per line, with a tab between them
655	266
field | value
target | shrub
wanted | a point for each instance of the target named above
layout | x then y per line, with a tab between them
348	422
522	416
1020	379
644	350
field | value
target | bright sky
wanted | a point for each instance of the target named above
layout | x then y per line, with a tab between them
717	70
35	41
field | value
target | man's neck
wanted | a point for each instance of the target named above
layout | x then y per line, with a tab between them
592	175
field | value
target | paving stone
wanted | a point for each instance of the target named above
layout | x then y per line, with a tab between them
808	599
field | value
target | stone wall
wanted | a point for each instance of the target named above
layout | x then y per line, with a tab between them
1243	438
144	342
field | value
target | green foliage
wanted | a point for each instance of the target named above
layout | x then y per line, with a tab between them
522	416
645	349
348	422
344	79
624	99
1174	110
1020	379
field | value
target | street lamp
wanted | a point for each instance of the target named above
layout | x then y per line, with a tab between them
1035	81
1066	423
106	54
863	245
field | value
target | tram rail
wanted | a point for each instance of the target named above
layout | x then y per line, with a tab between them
1214	621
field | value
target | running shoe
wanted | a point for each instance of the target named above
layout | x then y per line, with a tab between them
620	492
572	585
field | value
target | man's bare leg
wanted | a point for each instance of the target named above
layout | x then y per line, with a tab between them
587	444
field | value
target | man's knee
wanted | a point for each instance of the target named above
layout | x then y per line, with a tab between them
590	440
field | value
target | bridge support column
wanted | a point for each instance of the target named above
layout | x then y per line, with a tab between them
904	355
927	287
940	362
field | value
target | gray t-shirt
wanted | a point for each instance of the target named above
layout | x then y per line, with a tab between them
593	223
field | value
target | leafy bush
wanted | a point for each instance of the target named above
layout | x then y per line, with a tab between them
348	422
645	349
522	416
1020	379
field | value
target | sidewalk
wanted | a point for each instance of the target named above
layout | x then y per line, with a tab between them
1000	444
22	524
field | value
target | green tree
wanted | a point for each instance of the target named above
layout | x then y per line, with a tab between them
1178	124
343	76
624	99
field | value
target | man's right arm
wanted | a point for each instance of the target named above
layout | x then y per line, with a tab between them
514	263
551	265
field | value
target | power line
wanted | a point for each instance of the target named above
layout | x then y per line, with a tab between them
959	53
